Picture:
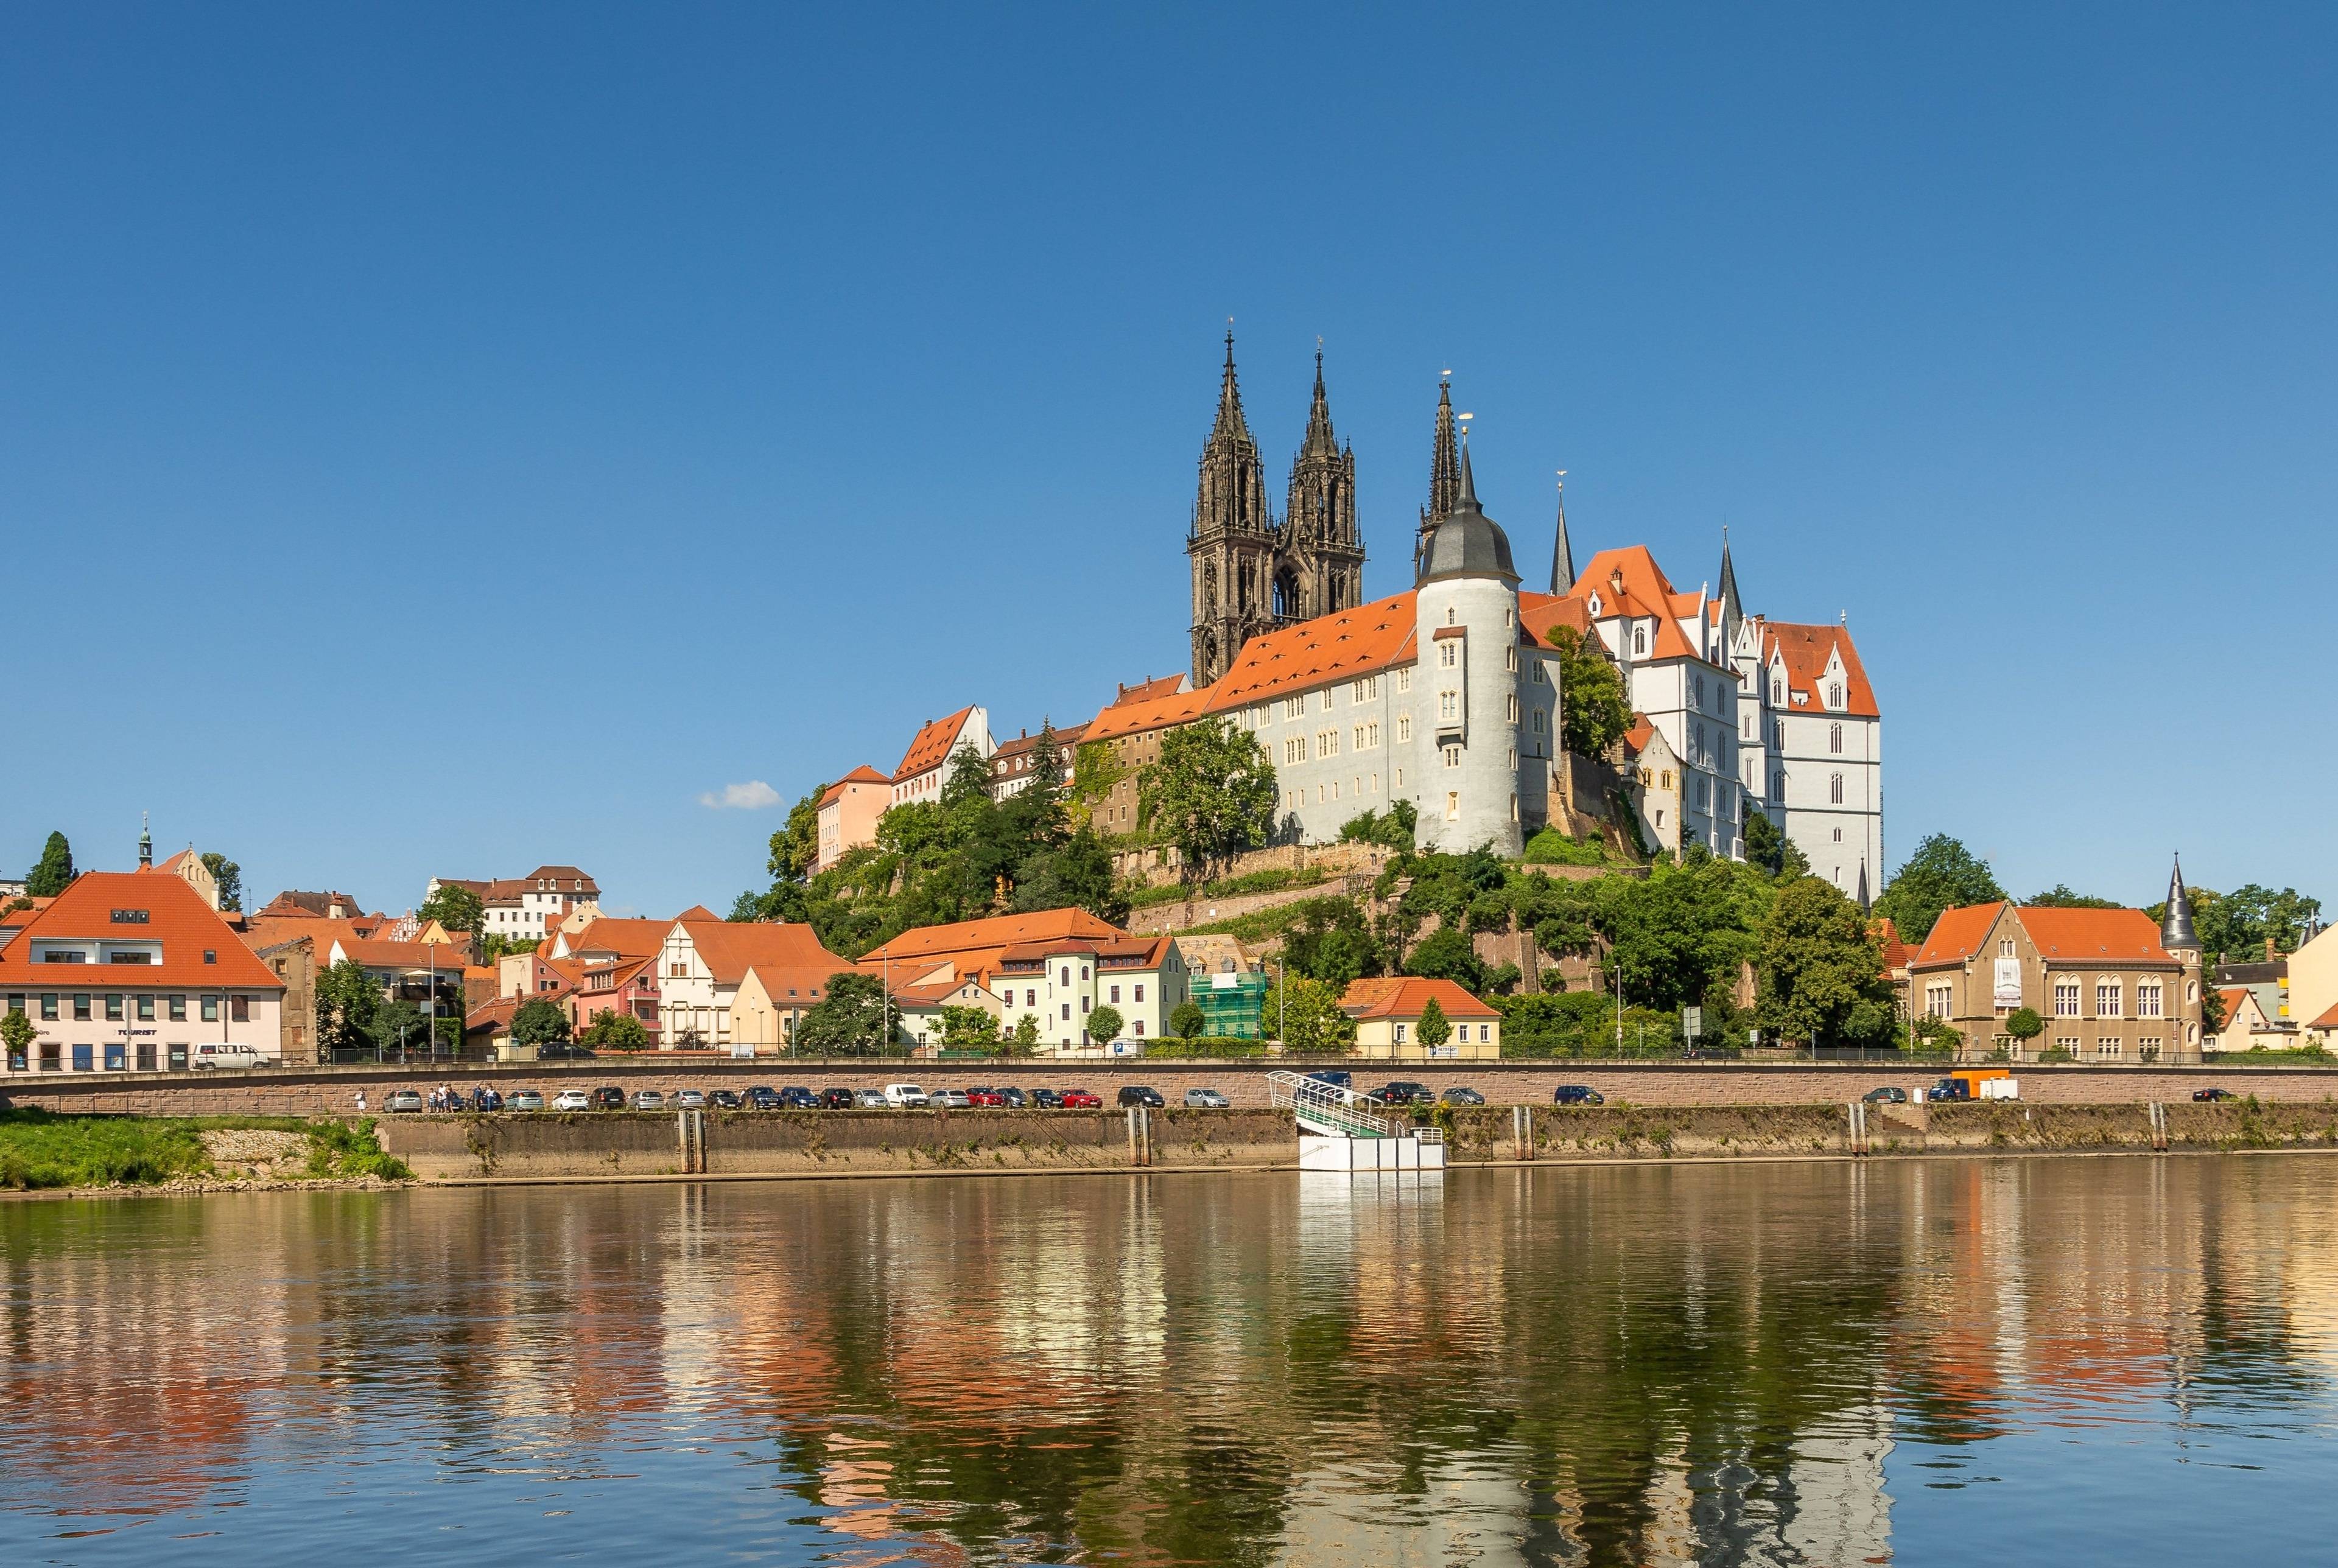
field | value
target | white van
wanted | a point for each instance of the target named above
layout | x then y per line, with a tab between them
904	1096
226	1055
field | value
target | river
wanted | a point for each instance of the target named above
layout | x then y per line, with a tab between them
2068	1360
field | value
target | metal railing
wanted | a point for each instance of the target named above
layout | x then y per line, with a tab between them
1330	1109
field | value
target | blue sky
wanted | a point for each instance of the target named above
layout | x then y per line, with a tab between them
445	439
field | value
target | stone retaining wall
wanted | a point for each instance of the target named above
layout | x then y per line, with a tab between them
332	1090
839	1143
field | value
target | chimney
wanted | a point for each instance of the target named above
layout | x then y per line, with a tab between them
2270	954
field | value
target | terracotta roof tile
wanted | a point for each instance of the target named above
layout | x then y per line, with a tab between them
732	947
1957	935
1804	651
1404	997
1155	713
176	916
2120	934
932	746
1366	641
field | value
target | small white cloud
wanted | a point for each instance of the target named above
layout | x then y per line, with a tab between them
753	796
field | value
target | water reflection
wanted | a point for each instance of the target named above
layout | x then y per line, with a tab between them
1791	1364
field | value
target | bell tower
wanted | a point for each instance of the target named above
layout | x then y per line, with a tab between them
1321	570
1232	541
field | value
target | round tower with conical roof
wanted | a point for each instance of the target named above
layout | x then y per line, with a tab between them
1466	595
2182	942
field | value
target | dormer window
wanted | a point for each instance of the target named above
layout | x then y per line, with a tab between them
1595	602
1639	641
1834	694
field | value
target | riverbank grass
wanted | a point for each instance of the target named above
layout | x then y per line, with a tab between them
39	1149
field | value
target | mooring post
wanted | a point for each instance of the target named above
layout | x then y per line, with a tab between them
1522	1132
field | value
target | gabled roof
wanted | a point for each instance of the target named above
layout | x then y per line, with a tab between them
1153	713
772	948
1364	640
289	905
628	938
2069	936
1148	690
564	880
1626	582
864	774
1404	996
176	916
932	746
376	953
1009	750
973	947
1540	614
2233	997
2327	1021
1804	651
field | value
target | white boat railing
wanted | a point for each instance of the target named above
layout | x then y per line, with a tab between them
1328	1109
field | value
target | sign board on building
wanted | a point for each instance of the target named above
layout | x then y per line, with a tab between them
2009	983
1692	1023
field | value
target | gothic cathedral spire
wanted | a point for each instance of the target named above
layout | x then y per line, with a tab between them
1320	567
1444	472
1562	553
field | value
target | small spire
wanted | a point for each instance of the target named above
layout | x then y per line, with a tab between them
1562	554
1865	903
1469	480
2176	927
145	843
1731	606
1444	461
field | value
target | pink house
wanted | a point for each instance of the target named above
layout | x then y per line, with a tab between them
848	809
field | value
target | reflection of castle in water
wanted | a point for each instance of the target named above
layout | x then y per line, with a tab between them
1600	1364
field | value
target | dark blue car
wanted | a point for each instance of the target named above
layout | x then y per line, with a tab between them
1576	1095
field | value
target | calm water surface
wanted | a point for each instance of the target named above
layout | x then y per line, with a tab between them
2070	1361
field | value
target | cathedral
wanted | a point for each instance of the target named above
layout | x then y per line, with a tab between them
1252	574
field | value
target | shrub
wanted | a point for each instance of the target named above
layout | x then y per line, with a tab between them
1188	1019
2055	1053
1552	847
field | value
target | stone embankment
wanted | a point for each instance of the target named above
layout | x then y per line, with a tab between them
332	1090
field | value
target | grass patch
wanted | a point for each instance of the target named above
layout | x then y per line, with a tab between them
39	1149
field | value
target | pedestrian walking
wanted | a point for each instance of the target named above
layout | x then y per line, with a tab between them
361	1101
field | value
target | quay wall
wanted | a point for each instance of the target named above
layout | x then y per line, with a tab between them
332	1090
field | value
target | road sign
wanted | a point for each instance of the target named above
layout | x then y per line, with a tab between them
1692	1023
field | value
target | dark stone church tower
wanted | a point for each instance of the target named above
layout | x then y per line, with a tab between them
1251	572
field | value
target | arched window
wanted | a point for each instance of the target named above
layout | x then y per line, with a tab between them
1834	789
1777	693
1834	739
1639	641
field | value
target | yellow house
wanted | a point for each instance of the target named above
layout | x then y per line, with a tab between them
1387	1014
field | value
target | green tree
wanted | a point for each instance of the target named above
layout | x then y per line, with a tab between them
1434	1029
16	1036
1105	1025
2234	926
2059	897
55	873
1307	1013
230	877
856	1019
1448	955
2024	1025
455	908
1680	934
347	998
1942	874
540	1021
1026	1038
796	844
1822	971
969	1029
610	1030
1594	710
1394	830
1330	943
1772	850
1211	792
1186	1020
1075	874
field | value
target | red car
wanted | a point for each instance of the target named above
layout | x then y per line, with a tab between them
978	1095
1081	1100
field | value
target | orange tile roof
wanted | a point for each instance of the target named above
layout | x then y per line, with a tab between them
1155	713
626	939
176	916
375	954
1804	651
1957	935
1404	996
932	746
787	949
2231	997
1148	690
973	947
864	774
1364	640
2327	1021
1072	735
1644	594
2128	936
1540	614
1636	738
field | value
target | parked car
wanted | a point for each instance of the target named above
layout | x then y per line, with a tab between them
868	1099
403	1100
222	1056
1138	1094
608	1097
763	1097
1206	1100
649	1099
836	1099
905	1097
1403	1092
724	1099
563	1051
690	1099
1461	1095
526	1100
1889	1095
1078	1100
1337	1077
798	1097
485	1099
571	1100
1047	1100
1014	1098
984	1095
2214	1094
949	1099
1576	1095
1950	1089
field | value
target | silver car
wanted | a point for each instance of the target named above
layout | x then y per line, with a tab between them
649	1100
868	1099
690	1099
525	1099
949	1099
1206	1100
